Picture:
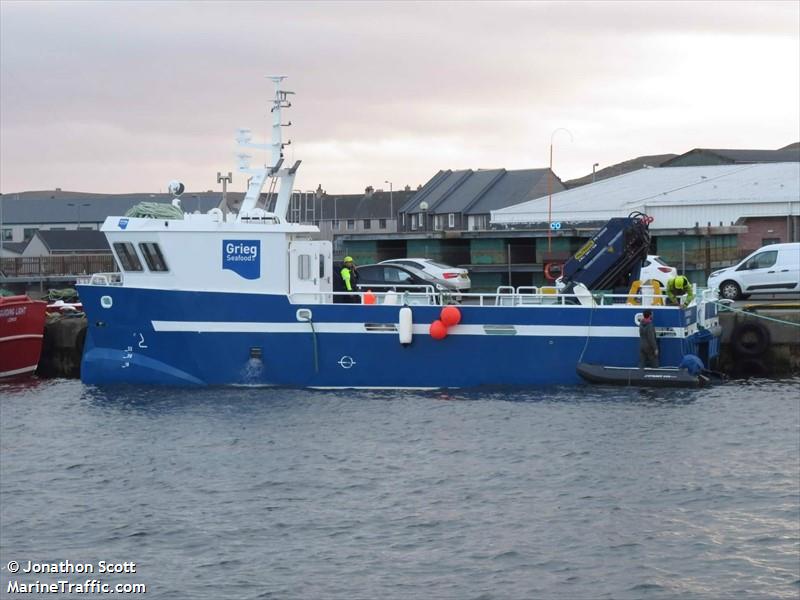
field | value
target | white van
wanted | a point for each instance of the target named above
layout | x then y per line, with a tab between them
772	269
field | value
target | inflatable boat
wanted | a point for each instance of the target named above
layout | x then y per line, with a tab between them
647	377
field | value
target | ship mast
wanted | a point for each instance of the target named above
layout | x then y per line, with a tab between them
280	177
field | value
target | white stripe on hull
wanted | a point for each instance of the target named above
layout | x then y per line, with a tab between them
620	331
25	336
15	372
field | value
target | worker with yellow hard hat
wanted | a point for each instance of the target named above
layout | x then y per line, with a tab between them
349	277
679	291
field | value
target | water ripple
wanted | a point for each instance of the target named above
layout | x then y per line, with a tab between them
489	494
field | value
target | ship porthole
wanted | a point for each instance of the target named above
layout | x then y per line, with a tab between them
106	301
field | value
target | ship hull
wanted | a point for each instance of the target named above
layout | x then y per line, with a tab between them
21	332
205	338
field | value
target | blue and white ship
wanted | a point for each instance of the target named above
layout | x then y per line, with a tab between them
247	299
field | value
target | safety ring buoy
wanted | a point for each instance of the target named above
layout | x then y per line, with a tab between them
548	273
750	339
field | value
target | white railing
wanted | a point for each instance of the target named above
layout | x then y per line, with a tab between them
100	279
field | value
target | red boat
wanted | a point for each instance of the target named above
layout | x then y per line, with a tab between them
21	332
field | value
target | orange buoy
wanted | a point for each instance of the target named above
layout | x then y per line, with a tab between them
450	316
369	297
438	330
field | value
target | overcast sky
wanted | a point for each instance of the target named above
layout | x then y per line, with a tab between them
122	97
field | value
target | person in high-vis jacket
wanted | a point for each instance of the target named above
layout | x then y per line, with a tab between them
679	291
349	277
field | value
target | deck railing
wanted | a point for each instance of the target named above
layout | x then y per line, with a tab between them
56	266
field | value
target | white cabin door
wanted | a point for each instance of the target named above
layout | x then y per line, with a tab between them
310	270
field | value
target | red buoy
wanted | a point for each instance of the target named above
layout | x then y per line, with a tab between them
438	330
450	316
369	297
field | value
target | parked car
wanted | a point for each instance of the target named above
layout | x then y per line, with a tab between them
445	274
402	278
772	269
655	268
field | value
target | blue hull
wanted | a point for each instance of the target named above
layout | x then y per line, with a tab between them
206	338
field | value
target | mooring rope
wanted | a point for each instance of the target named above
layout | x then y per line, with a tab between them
755	314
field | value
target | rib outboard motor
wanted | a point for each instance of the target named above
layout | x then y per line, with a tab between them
613	257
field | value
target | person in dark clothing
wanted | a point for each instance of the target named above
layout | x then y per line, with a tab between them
648	346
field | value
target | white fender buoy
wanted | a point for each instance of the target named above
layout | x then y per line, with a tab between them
405	325
390	297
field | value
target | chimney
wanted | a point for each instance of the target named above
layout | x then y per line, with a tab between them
368	191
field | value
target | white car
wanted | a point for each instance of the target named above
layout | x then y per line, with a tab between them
655	268
772	269
450	276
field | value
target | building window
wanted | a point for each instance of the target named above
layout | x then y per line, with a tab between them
127	257
437	222
367	224
413	223
770	241
404	219
8	235
153	257
351	224
316	223
451	220
335	224
382	223
28	233
58	229
422	220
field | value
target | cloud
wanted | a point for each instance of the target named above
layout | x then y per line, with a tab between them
386	90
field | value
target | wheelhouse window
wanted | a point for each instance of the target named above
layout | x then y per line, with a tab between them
304	267
127	257
153	257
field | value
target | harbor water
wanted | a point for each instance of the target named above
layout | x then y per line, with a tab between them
272	493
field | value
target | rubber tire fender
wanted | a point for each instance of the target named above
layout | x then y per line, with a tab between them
750	338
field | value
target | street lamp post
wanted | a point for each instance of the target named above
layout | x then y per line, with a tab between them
78	206
391	203
594	166
550	189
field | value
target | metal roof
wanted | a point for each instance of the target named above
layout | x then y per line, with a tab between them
64	207
741	156
479	192
74	240
677	197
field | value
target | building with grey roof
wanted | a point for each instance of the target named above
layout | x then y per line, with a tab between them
58	242
708	156
25	213
463	200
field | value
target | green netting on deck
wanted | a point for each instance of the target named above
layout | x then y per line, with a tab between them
155	210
